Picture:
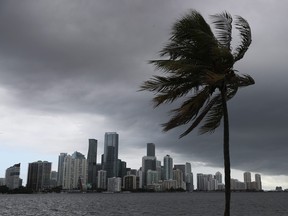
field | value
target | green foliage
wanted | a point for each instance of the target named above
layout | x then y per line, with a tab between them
198	66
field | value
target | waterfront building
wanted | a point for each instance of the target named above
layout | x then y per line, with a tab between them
181	167
75	172
12	179
53	179
2	181
151	149
218	177
140	175
237	185
102	179
212	184
122	168
92	163
168	168
247	177
200	181
159	169
258	182
114	184
178	177
130	182
148	163
60	168
168	185
111	142
39	175
189	177
152	177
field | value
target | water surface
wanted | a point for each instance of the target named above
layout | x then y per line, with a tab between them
206	204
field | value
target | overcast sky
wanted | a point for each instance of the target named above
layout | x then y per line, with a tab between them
71	70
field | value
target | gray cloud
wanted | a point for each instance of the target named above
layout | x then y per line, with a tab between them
89	57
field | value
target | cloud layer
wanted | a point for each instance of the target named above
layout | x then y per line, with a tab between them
71	70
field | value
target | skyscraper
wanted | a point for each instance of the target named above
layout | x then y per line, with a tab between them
102	179
258	182
148	163
218	177
39	175
75	171
247	180
92	162
189	177
12	177
247	177
168	168
60	168
151	149
111	153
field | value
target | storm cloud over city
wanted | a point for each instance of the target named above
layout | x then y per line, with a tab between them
71	70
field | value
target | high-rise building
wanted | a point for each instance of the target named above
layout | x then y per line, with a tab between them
53	179
168	168
102	179
122	168
2	181
60	168
258	182
92	163
178	177
182	168
39	175
218	177
247	180
189	177
75	172
200	182
12	176
148	163
151	149
114	184
152	177
111	153
247	177
130	182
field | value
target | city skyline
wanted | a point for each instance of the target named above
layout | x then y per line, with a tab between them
170	170
71	71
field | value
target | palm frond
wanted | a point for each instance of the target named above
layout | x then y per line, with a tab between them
241	80
245	34
188	110
213	117
200	117
223	27
192	38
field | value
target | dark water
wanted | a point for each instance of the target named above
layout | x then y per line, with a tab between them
243	204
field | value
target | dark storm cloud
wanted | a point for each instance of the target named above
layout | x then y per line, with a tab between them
91	57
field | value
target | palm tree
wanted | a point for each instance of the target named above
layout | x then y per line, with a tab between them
199	68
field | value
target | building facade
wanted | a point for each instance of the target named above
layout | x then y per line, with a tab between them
75	172
151	149
12	177
168	168
148	163
60	168
92	163
114	184
38	178
111	143
102	180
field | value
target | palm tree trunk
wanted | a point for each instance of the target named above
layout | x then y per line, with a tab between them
226	155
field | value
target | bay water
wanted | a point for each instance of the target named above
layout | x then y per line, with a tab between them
134	204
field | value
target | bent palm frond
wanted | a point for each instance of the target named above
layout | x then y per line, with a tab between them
245	34
223	27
